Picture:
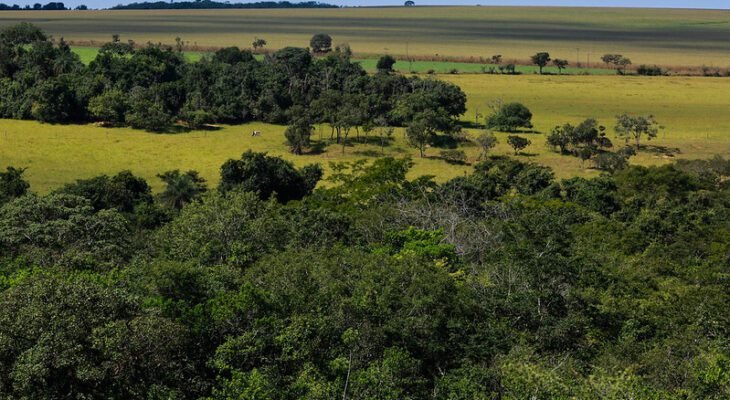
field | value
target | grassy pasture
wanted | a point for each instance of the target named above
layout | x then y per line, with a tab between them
694	111
661	36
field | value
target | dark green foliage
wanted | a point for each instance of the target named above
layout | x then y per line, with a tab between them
510	117
561	64
541	60
503	283
146	111
610	162
588	141
62	229
266	176
212	4
321	43
152	87
299	130
21	34
109	107
73	337
232	55
647	70
518	143
12	184
453	156
385	64
122	192
181	188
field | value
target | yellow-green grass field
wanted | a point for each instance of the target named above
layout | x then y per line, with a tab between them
694	111
677	37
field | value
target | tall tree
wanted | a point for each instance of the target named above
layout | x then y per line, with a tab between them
299	131
181	188
420	132
321	43
561	64
518	143
541	60
486	142
635	127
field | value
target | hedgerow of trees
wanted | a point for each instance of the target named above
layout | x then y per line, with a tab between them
210	4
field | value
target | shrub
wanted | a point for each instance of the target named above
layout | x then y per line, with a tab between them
611	162
649	70
518	143
453	156
509	117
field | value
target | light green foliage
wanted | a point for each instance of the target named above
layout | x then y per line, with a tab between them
429	245
62	229
232	228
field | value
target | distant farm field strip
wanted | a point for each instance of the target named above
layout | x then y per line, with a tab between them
87	54
660	36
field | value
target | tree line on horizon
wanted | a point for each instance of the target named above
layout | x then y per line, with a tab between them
164	5
210	4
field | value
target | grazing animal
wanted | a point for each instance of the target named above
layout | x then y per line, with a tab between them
256	133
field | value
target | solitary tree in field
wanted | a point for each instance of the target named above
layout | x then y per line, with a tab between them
496	59
321	43
486	141
621	65
541	60
419	134
258	44
561	64
509	117
635	127
385	64
518	143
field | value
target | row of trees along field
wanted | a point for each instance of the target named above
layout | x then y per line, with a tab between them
209	4
153	87
52	6
501	284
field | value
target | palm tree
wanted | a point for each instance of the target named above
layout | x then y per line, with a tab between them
182	188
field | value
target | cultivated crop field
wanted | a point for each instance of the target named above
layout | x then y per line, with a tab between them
693	110
666	37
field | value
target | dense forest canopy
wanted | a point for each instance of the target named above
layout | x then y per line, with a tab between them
151	87
502	284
